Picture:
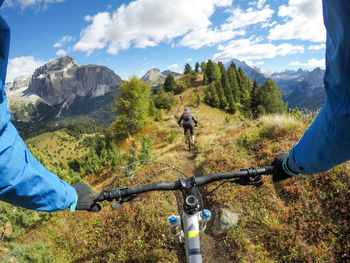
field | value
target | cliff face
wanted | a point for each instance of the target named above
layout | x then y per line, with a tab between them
63	88
63	79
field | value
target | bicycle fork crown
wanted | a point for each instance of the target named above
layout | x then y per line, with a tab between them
174	220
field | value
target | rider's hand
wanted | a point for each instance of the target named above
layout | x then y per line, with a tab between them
86	198
281	171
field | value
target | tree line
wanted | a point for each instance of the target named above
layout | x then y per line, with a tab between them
231	87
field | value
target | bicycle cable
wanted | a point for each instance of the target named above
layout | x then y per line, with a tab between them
145	161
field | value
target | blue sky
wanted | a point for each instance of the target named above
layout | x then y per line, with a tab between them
130	37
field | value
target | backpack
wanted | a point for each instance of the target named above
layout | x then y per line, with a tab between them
187	117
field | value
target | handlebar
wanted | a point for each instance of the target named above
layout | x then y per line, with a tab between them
126	194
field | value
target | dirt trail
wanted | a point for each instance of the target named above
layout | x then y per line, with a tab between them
211	252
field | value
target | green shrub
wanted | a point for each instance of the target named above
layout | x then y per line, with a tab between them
36	252
172	137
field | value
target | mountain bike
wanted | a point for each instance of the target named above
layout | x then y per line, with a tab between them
188	140
192	218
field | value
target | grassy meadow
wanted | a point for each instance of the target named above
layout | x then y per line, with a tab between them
305	219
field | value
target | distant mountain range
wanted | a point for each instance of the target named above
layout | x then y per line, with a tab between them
309	93
62	88
300	88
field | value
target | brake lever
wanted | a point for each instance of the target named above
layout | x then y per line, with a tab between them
252	178
115	206
246	181
114	195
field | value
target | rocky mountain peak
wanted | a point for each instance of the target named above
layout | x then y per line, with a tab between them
56	65
64	79
313	79
153	76
18	83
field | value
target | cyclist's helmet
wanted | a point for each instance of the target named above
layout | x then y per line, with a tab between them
187	109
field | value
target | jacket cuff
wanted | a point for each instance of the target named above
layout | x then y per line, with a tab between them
291	163
72	198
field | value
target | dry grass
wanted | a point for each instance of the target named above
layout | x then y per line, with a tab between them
280	121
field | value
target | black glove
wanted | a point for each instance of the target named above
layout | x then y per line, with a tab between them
195	125
86	198
280	168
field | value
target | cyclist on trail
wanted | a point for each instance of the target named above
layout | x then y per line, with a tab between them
187	123
327	142
23	180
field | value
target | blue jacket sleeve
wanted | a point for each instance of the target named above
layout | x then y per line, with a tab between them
23	180
327	142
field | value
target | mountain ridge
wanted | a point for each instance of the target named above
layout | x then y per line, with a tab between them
55	88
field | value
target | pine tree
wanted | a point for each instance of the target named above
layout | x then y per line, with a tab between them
217	71
221	95
188	69
267	99
205	80
231	105
225	83
169	83
211	72
152	109
232	78
211	96
221	67
254	103
246	100
203	66
132	107
241	84
196	69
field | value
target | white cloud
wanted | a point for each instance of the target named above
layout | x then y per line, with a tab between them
144	23
268	24
206	37
259	4
189	59
174	66
317	47
249	49
63	41
21	66
259	63
88	18
61	52
304	20
311	63
23	4
93	37
242	18
254	64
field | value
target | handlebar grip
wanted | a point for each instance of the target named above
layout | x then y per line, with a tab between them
114	194
268	169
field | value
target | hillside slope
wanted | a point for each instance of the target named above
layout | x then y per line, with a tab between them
305	219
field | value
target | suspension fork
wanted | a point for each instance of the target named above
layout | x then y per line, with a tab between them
190	221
